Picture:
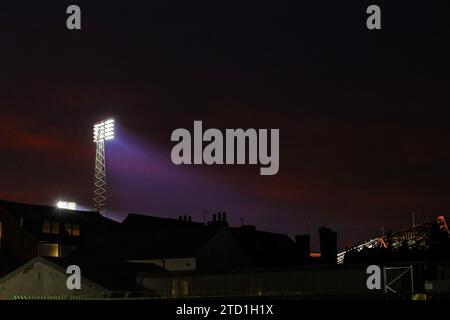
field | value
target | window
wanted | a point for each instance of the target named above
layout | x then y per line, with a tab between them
76	230
68	228
72	229
55	227
50	227
49	250
46	227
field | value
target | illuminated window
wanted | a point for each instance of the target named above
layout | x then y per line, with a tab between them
72	229
76	230
49	250
50	227
46	227
68	228
55	227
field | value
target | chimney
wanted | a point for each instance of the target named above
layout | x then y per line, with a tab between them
328	245
214	217
302	243
189	219
224	214
180	218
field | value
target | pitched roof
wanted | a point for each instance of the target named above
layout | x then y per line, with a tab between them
266	248
174	242
140	222
112	275
33	261
32	215
37	211
109	275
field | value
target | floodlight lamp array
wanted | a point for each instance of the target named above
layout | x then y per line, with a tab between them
66	205
104	131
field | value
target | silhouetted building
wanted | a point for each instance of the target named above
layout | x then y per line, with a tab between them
303	247
328	245
28	231
180	257
266	249
175	248
46	278
137	222
184	245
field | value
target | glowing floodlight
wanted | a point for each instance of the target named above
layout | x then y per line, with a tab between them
66	205
104	130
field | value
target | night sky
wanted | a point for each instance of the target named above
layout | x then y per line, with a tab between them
363	115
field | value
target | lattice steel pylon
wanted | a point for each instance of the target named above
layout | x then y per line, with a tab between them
103	131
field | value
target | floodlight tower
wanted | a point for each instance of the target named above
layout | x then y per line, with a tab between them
103	131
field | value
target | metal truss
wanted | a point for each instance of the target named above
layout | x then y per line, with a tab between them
100	178
388	284
373	243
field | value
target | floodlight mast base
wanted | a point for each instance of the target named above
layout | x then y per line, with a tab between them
100	178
